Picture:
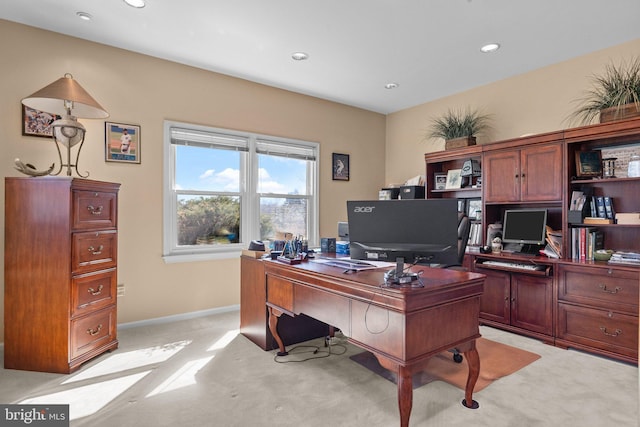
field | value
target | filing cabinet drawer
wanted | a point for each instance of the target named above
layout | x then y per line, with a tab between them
93	331
93	250
609	288
94	209
602	329
93	291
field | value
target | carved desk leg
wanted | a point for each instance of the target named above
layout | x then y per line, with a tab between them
274	315
473	360
405	388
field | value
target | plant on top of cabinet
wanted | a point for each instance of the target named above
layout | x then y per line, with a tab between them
459	127
615	95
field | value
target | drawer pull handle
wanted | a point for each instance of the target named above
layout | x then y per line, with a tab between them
615	334
95	251
614	291
94	292
95	331
95	210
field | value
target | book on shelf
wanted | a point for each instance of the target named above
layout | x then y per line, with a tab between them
585	241
596	220
630	258
602	213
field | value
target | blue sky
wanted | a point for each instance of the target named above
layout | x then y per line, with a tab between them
218	170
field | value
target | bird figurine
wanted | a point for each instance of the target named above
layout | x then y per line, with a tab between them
29	169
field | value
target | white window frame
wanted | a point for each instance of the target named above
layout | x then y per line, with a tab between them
249	197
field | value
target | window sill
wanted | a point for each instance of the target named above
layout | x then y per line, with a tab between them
201	256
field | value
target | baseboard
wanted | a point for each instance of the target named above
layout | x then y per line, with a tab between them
178	317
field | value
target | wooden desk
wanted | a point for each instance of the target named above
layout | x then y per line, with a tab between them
402	327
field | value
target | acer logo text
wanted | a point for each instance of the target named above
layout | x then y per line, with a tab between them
363	209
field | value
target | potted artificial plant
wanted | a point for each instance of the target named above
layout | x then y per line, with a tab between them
458	128
615	94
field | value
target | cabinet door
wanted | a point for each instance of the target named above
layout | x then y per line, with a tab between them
502	176
494	302
541	173
531	300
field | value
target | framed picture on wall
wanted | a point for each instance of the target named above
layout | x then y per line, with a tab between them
37	123
122	143
340	165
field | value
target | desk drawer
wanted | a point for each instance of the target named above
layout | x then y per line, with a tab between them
94	250
606	288
280	292
599	328
93	331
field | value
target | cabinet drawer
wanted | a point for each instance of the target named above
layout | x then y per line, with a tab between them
93	250
93	331
93	291
94	209
599	328
606	288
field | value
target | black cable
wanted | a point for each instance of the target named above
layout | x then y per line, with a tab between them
320	354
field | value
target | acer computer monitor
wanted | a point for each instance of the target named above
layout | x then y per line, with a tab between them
524	230
420	231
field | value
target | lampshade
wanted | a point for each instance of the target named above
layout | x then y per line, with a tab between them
63	96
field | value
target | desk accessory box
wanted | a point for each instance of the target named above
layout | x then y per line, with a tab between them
328	244
630	218
411	192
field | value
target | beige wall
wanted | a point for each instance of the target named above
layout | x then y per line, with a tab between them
138	89
535	102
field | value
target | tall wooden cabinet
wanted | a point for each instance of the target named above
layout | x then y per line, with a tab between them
584	304
61	244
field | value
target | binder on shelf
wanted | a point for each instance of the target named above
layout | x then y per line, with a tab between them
608	207
600	207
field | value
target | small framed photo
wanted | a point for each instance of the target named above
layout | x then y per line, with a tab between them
454	180
122	142
340	167
462	205
37	123
589	163
475	208
440	181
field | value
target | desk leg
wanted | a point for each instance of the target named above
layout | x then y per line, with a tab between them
405	388
274	315
473	360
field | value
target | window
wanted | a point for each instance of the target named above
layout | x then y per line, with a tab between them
225	188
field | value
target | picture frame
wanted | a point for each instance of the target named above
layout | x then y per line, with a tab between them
340	167
462	205
474	208
440	181
122	143
37	123
588	163
454	179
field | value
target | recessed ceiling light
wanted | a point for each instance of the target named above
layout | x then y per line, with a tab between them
391	85
299	56
84	16
135	3
491	47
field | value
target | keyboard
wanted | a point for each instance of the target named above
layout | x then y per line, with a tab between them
515	265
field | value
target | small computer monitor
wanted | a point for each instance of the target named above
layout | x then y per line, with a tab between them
423	231
524	230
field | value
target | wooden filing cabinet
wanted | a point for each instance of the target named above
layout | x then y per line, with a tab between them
598	310
61	246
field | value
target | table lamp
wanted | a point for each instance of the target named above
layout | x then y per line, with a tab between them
63	97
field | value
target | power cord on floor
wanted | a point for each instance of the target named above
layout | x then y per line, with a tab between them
316	351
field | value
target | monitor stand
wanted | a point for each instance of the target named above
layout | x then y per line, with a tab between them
398	278
522	248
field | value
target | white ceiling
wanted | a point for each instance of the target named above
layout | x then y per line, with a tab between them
430	48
